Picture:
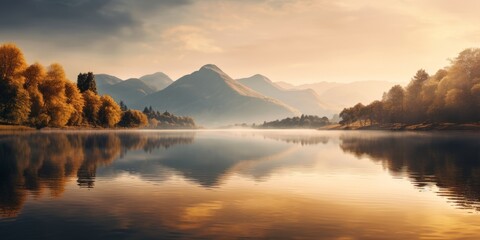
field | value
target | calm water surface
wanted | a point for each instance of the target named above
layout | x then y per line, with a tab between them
239	184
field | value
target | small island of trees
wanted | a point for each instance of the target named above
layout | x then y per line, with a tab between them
167	120
304	121
451	95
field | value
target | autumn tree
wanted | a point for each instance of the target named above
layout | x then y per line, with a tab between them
53	89
376	112
92	106
86	82
14	99
34	75
347	116
109	113
456	88
12	61
394	104
76	101
475	91
429	96
14	102
133	118
415	109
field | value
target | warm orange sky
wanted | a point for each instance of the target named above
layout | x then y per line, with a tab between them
297	41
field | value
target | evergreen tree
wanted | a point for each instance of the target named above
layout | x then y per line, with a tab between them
86	81
123	106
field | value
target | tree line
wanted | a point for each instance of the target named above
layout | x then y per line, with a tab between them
451	95
43	97
167	120
304	121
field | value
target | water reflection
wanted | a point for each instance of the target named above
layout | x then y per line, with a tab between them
450	161
37	162
212	159
300	137
250	184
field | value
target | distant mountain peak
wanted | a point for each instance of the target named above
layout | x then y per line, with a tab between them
157	74
213	72
260	77
258	80
157	81
212	67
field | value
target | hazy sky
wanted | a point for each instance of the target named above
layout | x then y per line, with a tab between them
296	41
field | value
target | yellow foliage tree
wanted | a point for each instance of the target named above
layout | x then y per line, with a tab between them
133	118
76	101
12	61
110	113
35	74
53	90
14	100
91	108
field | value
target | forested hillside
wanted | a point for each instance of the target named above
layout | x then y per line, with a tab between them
451	95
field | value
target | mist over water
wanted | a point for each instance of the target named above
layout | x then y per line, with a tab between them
239	184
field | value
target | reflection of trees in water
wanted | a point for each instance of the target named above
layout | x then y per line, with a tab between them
35	162
297	138
154	140
451	162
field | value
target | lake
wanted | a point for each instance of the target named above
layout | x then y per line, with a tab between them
259	184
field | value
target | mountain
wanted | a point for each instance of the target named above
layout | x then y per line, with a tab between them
305	100
340	95
104	81
131	90
213	98
285	85
319	87
157	81
128	91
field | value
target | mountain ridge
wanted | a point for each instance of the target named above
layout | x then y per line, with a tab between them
340	95
305	100
132	89
214	98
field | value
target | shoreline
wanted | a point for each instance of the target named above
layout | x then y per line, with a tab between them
6	128
407	127
374	127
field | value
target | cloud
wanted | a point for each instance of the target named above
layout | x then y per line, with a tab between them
287	40
187	38
80	21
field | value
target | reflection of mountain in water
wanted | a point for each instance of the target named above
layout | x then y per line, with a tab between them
35	162
206	162
451	162
210	159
